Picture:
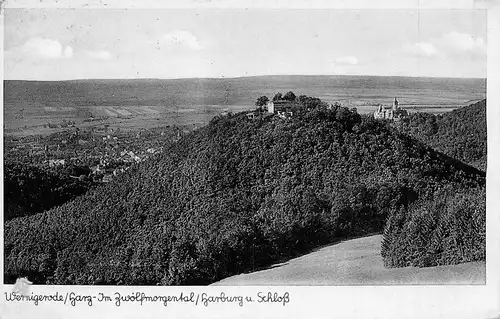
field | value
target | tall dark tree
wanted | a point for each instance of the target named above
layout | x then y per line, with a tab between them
278	97
261	101
289	96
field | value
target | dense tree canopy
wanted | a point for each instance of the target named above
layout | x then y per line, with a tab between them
460	134
449	227
278	97
261	101
289	96
230	197
30	189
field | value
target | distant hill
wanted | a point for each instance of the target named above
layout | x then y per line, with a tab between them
37	107
461	134
237	91
230	197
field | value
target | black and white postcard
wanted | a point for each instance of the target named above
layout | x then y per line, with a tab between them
248	160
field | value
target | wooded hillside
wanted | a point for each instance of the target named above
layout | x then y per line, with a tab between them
460	134
230	197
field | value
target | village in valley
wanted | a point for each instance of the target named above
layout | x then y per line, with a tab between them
96	154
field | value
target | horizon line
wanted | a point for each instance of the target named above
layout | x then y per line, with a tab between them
249	76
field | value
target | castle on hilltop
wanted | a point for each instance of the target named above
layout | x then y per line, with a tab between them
393	113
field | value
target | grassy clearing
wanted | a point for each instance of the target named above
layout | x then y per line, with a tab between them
356	262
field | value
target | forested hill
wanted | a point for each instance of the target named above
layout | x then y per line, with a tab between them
460	134
233	196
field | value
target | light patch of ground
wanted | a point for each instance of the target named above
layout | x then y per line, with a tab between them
121	111
58	109
150	109
108	112
185	110
356	262
67	109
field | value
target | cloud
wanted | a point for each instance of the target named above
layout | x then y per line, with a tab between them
99	55
68	52
346	60
180	38
462	43
450	45
346	65
422	49
45	48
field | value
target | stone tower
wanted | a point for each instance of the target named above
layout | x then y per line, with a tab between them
395	105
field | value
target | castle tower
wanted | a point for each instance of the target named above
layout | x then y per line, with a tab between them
270	107
395	105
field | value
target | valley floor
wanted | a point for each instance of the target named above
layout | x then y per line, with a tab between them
356	262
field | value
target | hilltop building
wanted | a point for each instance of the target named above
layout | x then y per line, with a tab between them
282	108
393	113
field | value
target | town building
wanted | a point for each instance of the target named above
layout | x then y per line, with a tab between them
56	162
107	178
393	113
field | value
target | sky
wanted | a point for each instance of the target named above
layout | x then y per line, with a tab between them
62	44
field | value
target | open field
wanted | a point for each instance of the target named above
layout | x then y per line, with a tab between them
356	262
123	117
29	106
